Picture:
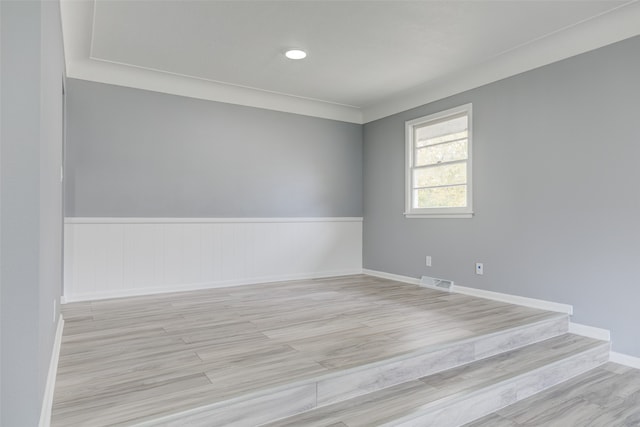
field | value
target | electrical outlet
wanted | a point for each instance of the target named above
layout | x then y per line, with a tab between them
479	268
428	260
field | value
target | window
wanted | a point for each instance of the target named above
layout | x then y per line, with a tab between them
438	165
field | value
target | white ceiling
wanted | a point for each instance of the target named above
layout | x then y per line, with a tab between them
367	59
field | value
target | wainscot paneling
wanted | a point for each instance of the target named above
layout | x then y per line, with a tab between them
113	257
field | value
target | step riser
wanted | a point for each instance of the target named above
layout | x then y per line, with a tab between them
368	380
503	342
282	402
487	401
372	379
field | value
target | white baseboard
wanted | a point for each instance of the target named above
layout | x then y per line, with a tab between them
47	401
515	299
625	359
589	331
200	286
480	293
391	276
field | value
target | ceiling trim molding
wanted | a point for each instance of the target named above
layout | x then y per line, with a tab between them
77	22
141	78
78	17
611	27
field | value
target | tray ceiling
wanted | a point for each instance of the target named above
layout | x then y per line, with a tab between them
366	59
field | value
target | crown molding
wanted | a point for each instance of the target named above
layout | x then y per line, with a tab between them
174	84
610	27
77	23
77	26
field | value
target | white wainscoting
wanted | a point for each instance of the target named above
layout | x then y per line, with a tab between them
113	257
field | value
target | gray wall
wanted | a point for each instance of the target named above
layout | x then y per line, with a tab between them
556	192
133	153
30	202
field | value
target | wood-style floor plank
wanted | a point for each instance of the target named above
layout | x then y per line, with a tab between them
423	398
133	358
608	396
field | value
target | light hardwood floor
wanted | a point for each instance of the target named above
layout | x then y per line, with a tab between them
464	390
608	396
133	359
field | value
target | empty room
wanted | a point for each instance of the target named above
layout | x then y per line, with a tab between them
319	213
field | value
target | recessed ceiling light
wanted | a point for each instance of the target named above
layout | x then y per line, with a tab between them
295	54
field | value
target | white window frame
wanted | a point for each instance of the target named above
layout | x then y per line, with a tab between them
410	126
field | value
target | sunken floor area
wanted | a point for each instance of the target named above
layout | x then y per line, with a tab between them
155	360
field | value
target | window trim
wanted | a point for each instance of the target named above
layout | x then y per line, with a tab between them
410	126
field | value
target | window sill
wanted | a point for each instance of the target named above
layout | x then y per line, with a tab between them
439	215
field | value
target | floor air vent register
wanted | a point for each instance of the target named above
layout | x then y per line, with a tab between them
435	283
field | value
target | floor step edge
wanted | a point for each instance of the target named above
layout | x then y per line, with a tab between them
343	385
464	408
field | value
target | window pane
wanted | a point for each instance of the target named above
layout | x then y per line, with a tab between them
448	130
440	175
441	153
441	197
